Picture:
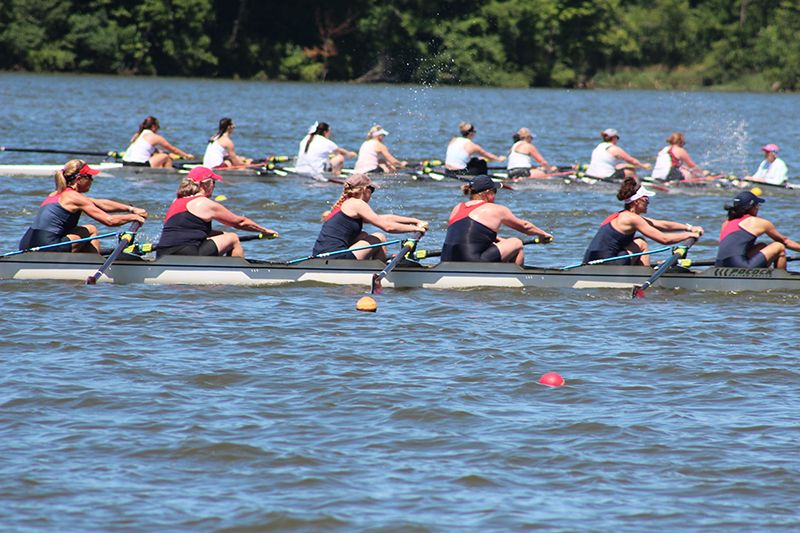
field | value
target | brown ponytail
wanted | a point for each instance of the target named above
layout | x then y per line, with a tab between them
67	175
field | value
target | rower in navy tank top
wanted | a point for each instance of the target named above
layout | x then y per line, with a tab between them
737	246
472	232
616	237
342	228
187	228
59	215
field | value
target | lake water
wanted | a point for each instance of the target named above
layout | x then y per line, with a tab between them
225	409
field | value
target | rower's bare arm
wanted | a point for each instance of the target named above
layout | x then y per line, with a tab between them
534	153
776	236
89	206
112	206
163	143
523	226
648	228
616	151
419	225
484	154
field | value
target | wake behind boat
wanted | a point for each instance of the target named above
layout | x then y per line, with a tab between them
188	270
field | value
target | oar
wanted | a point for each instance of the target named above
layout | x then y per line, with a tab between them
124	240
46	246
280	171
688	263
338	252
626	256
544	176
52	151
423	254
465	178
680	251
147	247
376	278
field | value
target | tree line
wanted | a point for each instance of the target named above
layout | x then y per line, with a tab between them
509	43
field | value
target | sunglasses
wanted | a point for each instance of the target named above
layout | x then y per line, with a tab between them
370	188
87	176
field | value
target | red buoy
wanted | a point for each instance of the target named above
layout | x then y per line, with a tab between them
551	379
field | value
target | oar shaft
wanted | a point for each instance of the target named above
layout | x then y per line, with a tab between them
47	246
124	241
53	151
680	251
626	256
338	252
376	278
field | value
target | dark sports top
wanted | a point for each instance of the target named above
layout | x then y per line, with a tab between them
339	232
469	240
608	242
52	217
734	242
181	228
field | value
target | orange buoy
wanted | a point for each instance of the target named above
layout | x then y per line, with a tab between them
367	304
551	379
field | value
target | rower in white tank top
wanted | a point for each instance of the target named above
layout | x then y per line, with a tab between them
368	158
457	157
518	160
215	154
603	164
140	151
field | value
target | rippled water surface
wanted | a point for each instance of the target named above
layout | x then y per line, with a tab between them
139	408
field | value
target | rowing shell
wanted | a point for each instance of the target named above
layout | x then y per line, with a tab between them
236	271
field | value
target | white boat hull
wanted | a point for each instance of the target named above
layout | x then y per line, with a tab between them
235	271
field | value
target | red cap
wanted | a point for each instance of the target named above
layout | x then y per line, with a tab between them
198	174
770	148
86	170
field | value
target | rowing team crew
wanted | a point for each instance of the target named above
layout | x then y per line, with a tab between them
471	234
318	154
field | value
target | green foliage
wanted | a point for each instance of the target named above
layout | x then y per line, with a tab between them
513	43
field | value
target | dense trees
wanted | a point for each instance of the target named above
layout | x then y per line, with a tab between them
557	43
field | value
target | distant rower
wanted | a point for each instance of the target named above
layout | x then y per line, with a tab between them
220	152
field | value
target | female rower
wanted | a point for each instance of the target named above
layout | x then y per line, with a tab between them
374	157
220	152
737	246
610	161
462	151
772	169
670	160
58	216
472	233
343	225
316	150
617	233
187	228
523	154
147	145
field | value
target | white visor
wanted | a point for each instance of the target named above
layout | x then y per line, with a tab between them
380	132
639	194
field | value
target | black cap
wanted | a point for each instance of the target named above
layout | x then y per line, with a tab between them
746	200
483	183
